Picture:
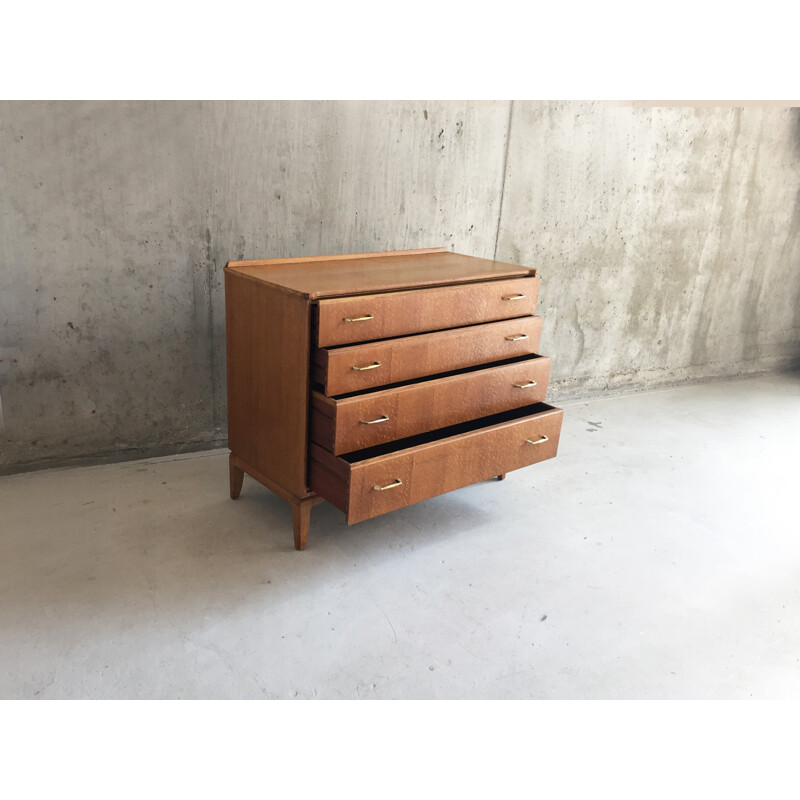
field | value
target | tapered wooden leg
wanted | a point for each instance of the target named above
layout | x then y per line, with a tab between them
501	477
301	517
301	506
237	476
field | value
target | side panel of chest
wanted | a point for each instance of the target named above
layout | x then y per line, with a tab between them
268	350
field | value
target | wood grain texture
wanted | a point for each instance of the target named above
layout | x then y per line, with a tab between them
249	469
348	424
335	277
433	314
403	313
268	346
424	354
236	475
301	519
301	506
436	467
268	262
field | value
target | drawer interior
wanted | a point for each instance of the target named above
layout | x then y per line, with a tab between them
444	433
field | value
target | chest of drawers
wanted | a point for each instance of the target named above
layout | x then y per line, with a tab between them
377	380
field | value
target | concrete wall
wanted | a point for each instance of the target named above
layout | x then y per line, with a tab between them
667	240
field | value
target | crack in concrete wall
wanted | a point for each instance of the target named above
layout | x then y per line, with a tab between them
505	174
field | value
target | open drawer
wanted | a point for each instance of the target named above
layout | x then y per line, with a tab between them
362	318
353	422
378	479
355	368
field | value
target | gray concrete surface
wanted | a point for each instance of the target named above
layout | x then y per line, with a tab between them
117	218
667	239
656	557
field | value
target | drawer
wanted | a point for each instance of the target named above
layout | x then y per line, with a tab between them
358	367
364	420
373	481
362	318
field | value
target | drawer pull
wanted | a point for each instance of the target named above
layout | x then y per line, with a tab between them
541	440
398	482
513	296
524	385
375	365
384	418
517	338
357	319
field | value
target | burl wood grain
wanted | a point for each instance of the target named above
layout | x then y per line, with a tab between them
424	354
433	468
402	313
353	423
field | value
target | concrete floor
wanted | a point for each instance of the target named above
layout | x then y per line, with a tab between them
657	557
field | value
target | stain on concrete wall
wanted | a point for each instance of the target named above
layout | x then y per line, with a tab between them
116	219
103	328
667	239
303	178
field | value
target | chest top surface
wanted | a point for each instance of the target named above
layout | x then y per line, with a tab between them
334	276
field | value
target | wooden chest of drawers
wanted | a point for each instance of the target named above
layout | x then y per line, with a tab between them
377	380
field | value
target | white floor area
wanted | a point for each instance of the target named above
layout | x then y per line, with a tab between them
658	556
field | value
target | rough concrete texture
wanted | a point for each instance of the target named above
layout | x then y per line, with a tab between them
667	239
118	217
656	557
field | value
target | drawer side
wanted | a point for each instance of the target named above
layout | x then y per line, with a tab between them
329	477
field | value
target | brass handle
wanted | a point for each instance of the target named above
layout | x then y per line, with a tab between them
369	366
357	319
384	418
513	296
524	385
516	338
542	440
377	488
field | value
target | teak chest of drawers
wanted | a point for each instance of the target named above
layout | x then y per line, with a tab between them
377	380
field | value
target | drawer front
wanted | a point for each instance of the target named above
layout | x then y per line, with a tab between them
365	420
363	318
378	484
358	367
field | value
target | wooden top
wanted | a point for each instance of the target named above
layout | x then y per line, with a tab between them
364	273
